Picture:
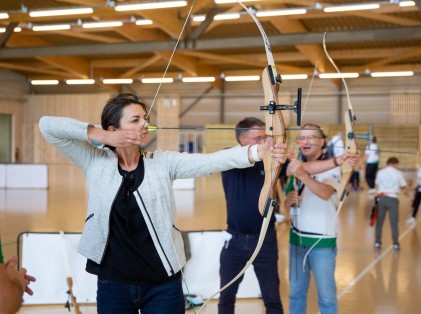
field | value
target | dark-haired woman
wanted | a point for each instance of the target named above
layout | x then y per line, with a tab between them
130	237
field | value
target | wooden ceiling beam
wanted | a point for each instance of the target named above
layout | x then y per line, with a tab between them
140	66
225	58
191	67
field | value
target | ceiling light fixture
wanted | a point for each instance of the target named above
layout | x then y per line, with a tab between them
263	13
57	27
242	78
144	22
226	16
406	3
44	82
352	7
287	77
3	29
102	24
198	79
61	12
151	5
338	75
117	81
198	18
157	80
392	74
4	15
80	82
233	1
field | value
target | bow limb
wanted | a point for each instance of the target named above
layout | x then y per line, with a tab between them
350	147
350	143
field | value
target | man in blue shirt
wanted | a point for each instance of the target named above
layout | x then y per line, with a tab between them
242	189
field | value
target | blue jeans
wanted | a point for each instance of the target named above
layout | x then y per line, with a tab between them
234	256
322	262
123	298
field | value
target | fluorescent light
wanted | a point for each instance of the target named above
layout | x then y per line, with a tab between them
352	7
57	27
44	82
157	80
144	22
117	81
232	1
391	74
4	15
102	24
80	82
152	5
198	79
199	18
406	3
263	13
61	12
287	77
17	29
226	16
242	78
338	75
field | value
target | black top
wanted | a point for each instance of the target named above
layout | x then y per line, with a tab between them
242	190
130	255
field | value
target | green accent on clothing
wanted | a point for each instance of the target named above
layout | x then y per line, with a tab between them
1	254
309	241
290	186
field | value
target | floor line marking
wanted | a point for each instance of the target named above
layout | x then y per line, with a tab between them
372	264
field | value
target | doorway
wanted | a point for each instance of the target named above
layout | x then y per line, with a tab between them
5	138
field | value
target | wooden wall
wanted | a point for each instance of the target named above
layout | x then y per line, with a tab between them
85	107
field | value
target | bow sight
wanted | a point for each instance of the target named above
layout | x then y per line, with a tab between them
272	107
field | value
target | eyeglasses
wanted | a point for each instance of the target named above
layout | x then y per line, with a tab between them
308	137
258	138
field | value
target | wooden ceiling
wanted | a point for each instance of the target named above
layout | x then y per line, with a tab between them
385	39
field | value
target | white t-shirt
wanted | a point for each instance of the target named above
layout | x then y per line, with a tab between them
372	153
338	146
419	179
314	214
389	181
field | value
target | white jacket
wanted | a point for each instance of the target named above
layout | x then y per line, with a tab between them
154	196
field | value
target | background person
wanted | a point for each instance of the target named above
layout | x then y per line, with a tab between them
312	204
13	284
372	159
389	181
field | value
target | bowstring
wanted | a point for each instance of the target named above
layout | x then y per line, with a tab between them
342	200
143	127
169	62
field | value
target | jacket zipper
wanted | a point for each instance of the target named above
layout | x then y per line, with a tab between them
156	234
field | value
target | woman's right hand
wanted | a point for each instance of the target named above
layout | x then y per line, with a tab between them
118	138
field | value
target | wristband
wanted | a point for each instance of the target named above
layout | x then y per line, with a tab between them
335	162
254	153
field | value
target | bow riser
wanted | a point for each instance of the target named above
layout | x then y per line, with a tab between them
351	147
275	129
